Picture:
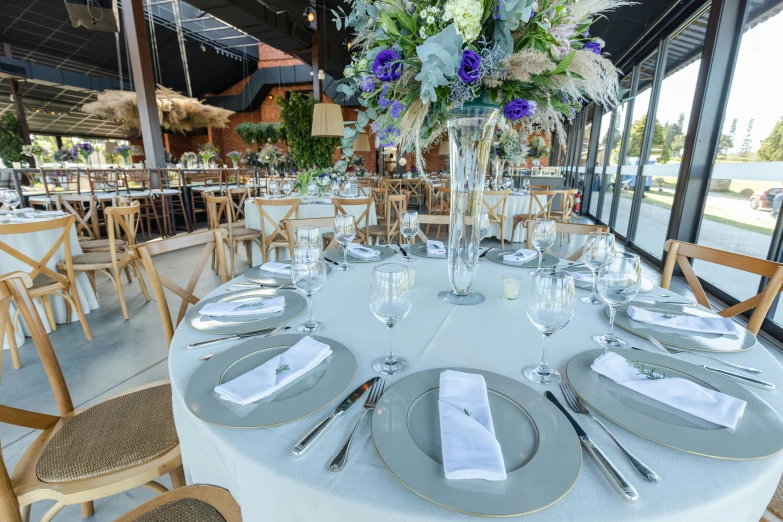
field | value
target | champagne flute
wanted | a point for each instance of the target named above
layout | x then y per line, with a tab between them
308	272
308	235
483	229
619	280
409	227
390	302
550	307
544	231
344	233
598	246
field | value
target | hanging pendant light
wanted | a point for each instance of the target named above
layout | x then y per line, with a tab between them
443	150
361	143
327	120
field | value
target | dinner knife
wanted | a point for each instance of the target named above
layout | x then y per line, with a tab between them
764	385
610	470
236	337
485	252
314	433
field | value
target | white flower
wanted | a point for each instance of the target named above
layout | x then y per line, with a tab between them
348	72
430	19
466	15
422	32
362	65
423	13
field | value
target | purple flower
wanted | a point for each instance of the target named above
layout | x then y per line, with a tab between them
366	84
383	101
387	66
396	109
469	70
594	47
518	108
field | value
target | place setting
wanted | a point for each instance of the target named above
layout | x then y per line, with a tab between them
345	232
544	234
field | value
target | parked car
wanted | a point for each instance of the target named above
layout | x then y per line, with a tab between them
762	200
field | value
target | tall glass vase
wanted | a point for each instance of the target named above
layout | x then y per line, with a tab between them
471	129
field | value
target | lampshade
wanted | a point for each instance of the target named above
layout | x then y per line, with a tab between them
361	143
327	120
443	150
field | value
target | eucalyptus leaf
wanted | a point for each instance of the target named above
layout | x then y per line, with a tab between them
514	12
338	21
503	39
440	57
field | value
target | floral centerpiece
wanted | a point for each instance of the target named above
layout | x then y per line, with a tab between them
335	174
64	155
125	151
538	149
357	162
37	151
206	152
323	181
169	156
269	156
417	61
189	159
304	178
250	159
84	150
234	156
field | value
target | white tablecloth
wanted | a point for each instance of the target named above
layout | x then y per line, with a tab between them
35	246
515	204
306	211
269	483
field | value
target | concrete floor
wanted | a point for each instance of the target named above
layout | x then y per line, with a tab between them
122	355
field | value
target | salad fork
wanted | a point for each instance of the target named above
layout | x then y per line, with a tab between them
338	461
658	344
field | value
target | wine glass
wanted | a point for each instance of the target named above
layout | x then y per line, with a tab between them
619	280
312	190
335	188
274	188
390	302
409	227
309	274
308	235
483	228
344	233
287	187
597	247
526	184
347	187
544	231
550	307
11	199
507	183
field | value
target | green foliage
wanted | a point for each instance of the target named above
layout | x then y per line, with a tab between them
665	156
306	150
772	146
260	132
11	140
637	132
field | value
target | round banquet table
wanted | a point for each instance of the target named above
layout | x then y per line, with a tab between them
515	204
269	483
311	209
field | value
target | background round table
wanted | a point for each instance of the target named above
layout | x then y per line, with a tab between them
269	483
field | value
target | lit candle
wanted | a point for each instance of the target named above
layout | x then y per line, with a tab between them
511	285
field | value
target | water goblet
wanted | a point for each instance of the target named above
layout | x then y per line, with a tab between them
409	227
550	307
308	235
619	280
274	188
390	302
287	187
347	187
11	199
344	233
597	247
544	231
308	272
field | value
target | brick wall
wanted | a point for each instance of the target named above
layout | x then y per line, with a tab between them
271	57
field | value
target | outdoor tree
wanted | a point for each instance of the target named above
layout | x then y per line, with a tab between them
637	133
11	140
727	140
305	149
747	143
772	146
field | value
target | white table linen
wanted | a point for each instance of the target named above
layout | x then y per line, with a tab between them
269	483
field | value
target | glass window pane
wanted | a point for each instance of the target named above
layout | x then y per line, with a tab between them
745	189
599	162
614	158
671	123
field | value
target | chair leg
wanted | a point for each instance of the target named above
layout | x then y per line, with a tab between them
177	478
16	361
49	515
116	276
231	250
25	511
143	286
88	509
184	214
128	274
249	252
77	305
47	304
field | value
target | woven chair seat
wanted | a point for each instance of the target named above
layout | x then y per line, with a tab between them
239	233
112	436
236	224
92	258
776	504
183	510
378	230
41	281
100	244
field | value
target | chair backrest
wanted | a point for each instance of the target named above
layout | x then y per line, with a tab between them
496	210
124	220
219	498
212	241
541	202
84	208
567	201
65	180
238	196
168	178
394	186
416	188
136	179
291	207
363	220
291	225
425	219
538	187
217	208
680	252
565	228
395	208
379	195
104	180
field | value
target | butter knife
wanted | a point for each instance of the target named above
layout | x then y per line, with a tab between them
314	433
609	469
764	385
236	337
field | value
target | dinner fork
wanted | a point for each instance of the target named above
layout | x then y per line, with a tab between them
338	461
274	332
573	401
658	344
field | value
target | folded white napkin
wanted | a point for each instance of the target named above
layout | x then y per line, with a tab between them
435	248
585	277
244	307
520	256
44	214
714	325
470	449
22	210
277	268
362	252
277	372
682	394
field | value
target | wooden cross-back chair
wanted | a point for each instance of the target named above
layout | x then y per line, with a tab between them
212	241
379	195
390	227
567	201
85	208
136	187
364	187
416	188
169	197
394	186
442	205
222	206
541	202
278	237
680	253
341	206
121	443
46	281
204	182
116	259
496	210
174	505
565	228
291	225
425	219
238	196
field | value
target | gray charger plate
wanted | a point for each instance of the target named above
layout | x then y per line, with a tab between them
310	393
705	342
295	304
420	250
647	285
262	277
496	256
537	442
336	254
759	433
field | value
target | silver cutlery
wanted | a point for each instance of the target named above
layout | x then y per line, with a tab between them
575	403
285	286
330	261
273	333
764	385
658	344
641	299
316	432
258	333
484	253
341	457
607	467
